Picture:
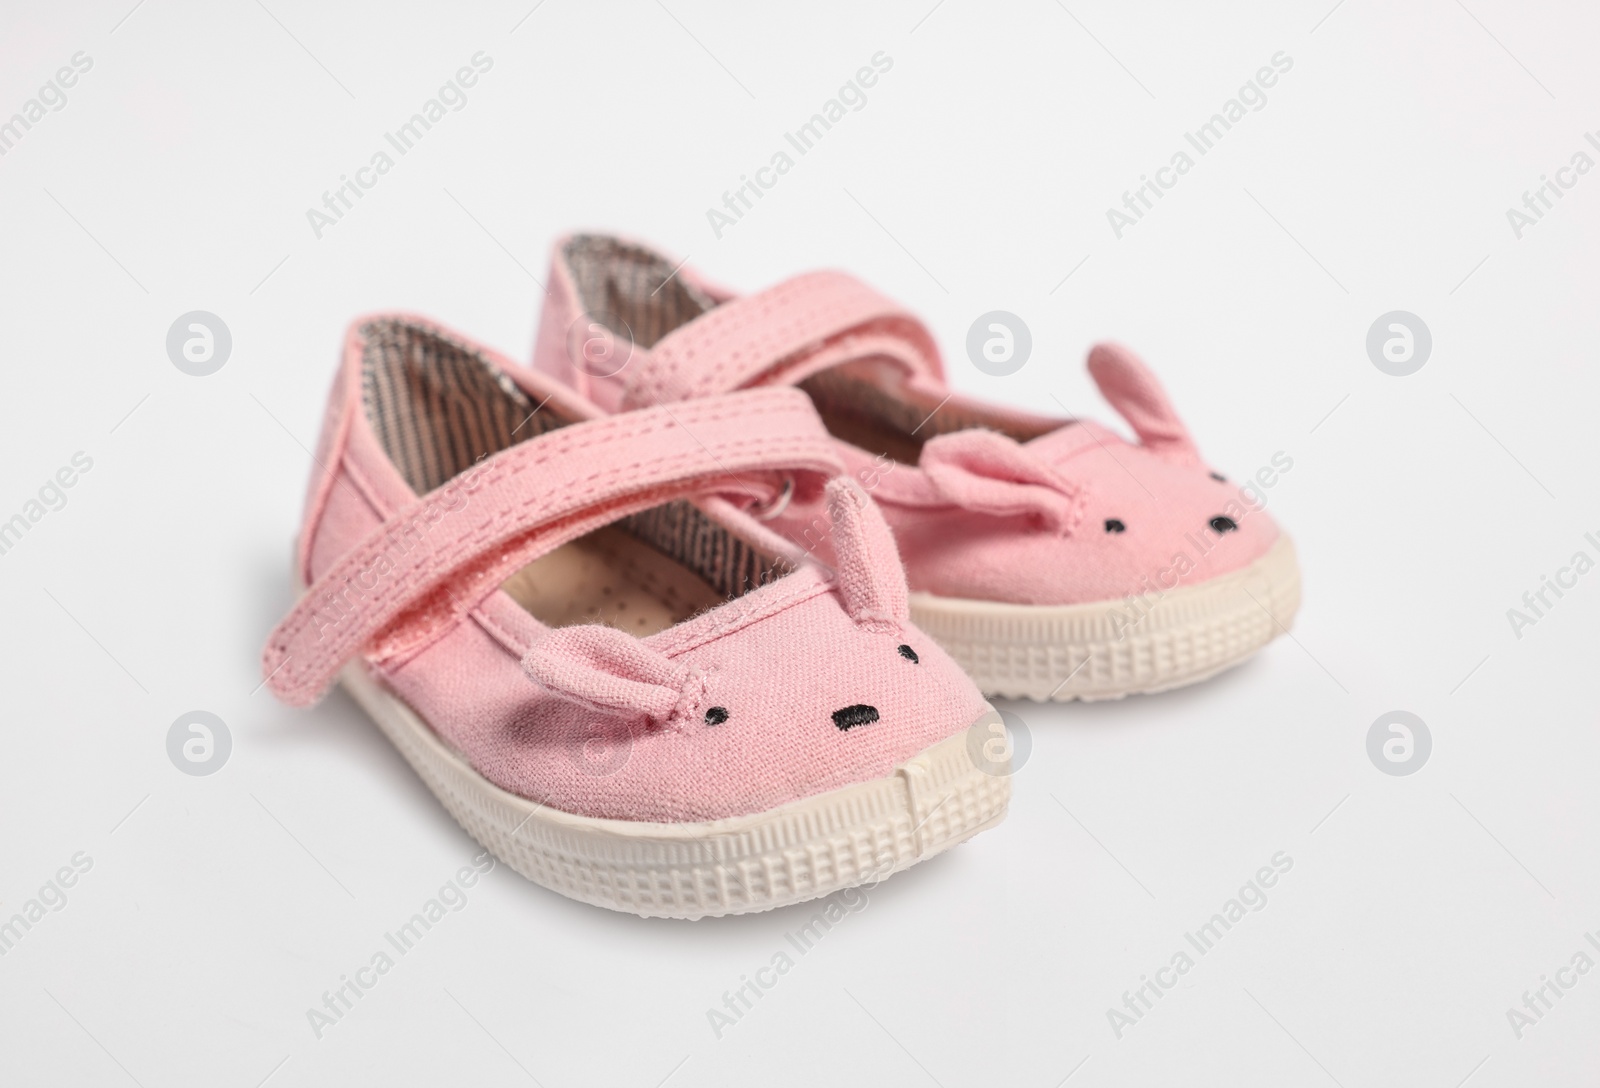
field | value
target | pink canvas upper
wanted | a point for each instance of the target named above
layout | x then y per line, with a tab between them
985	502
587	718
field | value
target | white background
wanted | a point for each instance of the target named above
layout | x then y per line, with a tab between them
1377	177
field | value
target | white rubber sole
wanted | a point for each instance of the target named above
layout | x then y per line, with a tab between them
809	848
1109	649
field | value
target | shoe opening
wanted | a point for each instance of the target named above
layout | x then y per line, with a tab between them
438	406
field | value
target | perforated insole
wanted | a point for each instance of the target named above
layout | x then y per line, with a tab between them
614	578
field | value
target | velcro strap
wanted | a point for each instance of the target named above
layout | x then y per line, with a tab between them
815	320
473	532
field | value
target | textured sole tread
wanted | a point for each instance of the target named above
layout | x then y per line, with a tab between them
802	850
1111	649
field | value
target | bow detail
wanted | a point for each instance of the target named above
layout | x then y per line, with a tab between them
992	474
608	670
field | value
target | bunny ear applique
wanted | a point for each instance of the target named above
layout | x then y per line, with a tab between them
1132	389
608	670
993	474
871	579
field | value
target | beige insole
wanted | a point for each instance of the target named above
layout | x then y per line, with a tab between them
614	578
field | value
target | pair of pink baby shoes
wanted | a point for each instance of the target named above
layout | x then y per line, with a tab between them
696	615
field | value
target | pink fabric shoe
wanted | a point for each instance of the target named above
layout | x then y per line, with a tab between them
1053	559
610	672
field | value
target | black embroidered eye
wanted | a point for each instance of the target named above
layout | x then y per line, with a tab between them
851	716
1224	524
716	715
1219	477
1114	525
909	654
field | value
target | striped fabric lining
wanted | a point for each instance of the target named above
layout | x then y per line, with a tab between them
438	405
683	531
628	284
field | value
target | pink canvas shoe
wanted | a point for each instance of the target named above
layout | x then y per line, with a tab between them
1053	559
612	674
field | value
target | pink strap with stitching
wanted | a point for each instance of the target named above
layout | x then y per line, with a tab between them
817	319
474	531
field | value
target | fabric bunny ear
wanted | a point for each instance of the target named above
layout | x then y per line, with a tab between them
871	579
605	669
991	473
1132	389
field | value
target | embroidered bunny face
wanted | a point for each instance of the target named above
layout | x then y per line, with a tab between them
798	687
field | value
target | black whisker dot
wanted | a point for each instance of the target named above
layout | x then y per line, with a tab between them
851	716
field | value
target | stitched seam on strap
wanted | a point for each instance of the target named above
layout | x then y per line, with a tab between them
578	489
835	302
797	450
